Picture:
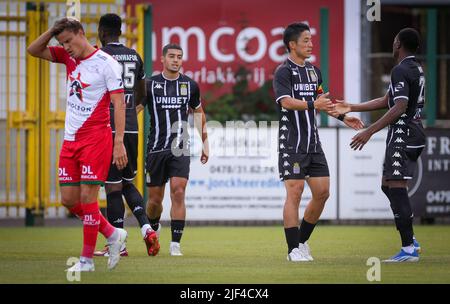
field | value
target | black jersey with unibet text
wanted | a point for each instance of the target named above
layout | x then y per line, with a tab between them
407	82
168	102
132	73
297	129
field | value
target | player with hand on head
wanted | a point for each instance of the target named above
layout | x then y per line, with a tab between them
94	81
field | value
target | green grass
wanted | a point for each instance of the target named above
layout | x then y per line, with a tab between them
228	255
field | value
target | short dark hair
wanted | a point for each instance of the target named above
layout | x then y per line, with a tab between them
292	32
410	39
169	46
111	24
67	24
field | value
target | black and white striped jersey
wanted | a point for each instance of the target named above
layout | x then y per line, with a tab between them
407	82
297	129
132	72
168	102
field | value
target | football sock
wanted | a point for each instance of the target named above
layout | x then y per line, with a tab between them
305	231
106	228
135	202
115	209
77	210
404	215
385	190
292	238
91	221
177	226
154	223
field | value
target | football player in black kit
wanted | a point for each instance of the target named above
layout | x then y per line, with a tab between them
298	92
120	182
406	137
170	97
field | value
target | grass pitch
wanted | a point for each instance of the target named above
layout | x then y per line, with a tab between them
228	255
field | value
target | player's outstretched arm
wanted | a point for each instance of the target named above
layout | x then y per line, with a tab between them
350	121
200	124
39	47
119	153
343	107
360	139
322	103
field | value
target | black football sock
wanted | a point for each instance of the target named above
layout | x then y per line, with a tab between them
135	202
177	226
385	190
291	238
305	231
154	223
115	209
404	214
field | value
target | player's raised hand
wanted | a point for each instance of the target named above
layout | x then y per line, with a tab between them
360	139
323	103
120	158
353	122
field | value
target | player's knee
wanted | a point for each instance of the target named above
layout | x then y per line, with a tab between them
293	198
87	197
155	200
127	186
177	192
322	195
385	190
294	193
110	188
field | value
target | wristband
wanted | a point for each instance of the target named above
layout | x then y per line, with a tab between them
310	105
341	117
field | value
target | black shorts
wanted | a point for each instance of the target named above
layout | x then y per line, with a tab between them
300	166
161	166
404	144
115	176
400	162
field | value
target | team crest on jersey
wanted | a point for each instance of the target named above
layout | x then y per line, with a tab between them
183	89
312	75
77	86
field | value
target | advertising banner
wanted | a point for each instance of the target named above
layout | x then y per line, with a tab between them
221	37
240	180
430	188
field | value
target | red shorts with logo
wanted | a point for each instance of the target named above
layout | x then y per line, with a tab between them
86	160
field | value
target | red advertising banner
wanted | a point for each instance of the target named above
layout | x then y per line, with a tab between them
220	36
